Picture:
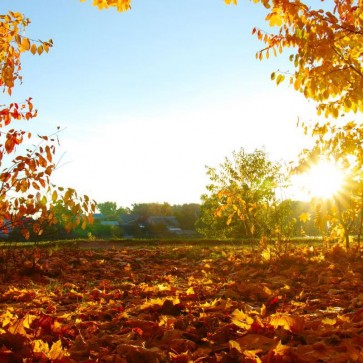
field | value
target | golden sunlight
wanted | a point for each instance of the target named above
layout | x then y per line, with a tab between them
323	180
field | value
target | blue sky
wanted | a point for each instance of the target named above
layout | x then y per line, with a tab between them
149	97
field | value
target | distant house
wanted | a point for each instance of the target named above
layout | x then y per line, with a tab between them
149	227
136	226
98	217
102	219
132	225
128	219
110	223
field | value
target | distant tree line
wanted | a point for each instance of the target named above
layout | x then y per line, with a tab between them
193	220
185	214
142	220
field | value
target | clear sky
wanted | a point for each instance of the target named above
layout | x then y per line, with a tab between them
149	97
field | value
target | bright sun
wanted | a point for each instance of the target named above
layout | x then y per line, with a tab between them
323	180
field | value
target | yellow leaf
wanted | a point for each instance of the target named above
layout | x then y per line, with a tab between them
281	349
67	195
267	290
54	196
163	287
328	321
28	319
279	79
229	219
40	347
263	310
274	19
33	49
304	217
25	44
234	345
241	319
266	254
7	317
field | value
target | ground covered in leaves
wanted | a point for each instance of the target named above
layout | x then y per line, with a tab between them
180	304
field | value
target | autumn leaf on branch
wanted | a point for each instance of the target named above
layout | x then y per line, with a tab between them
28	200
13	44
326	49
120	5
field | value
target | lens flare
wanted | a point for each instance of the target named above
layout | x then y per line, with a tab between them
323	180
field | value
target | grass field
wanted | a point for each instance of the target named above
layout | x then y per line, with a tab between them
180	302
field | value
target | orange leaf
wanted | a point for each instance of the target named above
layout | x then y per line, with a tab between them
33	49
295	323
49	154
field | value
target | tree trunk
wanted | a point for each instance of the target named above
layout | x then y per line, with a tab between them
346	234
360	223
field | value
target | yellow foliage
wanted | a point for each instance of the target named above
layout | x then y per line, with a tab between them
329	44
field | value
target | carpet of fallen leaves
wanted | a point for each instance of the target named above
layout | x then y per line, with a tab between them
180	304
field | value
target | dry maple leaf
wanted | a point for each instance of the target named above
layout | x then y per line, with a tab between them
295	323
241	319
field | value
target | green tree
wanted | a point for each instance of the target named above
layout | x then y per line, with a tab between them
216	228
303	211
111	210
242	193
152	209
187	215
108	209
